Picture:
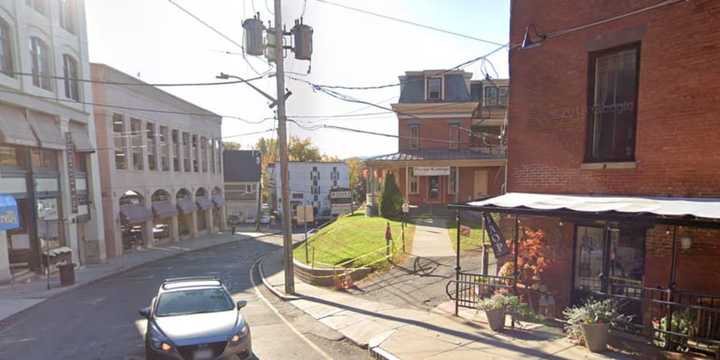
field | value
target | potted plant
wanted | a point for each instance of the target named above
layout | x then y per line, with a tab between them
496	307
590	322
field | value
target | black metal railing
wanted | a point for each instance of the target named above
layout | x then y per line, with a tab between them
472	287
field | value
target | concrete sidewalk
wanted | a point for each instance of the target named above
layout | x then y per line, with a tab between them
392	332
16	297
431	239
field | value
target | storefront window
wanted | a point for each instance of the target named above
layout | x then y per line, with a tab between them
8	156
44	159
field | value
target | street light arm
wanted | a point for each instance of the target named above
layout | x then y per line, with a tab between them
228	76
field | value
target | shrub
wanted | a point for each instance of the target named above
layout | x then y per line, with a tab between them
508	303
593	312
390	200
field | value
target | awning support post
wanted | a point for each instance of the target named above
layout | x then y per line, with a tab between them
671	285
457	262
516	251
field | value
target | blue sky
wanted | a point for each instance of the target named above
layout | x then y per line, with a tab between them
162	44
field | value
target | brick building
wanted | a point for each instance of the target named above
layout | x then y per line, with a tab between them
449	146
616	102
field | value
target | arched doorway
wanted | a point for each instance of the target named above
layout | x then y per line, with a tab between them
185	207
203	202
133	218
163	212
218	209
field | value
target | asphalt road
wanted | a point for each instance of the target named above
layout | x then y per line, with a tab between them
100	320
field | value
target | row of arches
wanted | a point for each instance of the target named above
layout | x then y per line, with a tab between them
167	217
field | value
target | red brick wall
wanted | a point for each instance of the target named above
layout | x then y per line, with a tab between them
678	105
434	133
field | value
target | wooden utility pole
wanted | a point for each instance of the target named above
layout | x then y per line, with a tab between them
282	142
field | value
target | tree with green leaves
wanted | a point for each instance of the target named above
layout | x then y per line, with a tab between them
390	199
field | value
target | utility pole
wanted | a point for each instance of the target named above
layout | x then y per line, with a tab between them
259	194
282	140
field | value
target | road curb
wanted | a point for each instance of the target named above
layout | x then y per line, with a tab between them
105	276
269	286
380	353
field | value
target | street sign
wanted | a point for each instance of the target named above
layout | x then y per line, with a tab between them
431	171
9	217
340	201
500	248
305	214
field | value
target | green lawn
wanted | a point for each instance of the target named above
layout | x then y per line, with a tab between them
352	236
474	241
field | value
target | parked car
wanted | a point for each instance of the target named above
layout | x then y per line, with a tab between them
161	231
195	318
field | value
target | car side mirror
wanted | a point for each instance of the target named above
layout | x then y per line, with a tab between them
241	304
145	312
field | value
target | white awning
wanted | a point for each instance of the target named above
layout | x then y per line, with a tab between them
81	137
47	130
704	208
14	128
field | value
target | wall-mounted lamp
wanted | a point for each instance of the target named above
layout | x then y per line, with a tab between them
528	41
685	242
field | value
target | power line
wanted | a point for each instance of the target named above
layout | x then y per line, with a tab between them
410	22
406	81
140	82
218	32
171	112
248	133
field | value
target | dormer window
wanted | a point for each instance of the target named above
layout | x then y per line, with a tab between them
434	88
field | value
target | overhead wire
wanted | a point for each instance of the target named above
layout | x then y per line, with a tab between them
408	22
140	82
218	32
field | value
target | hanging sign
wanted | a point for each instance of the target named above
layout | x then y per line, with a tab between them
500	248
465	230
431	171
70	153
9	217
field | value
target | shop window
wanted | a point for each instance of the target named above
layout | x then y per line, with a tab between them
413	181
612	104
9	156
44	159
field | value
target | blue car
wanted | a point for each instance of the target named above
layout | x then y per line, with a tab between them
195	318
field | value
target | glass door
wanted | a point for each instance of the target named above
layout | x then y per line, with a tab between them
434	188
589	261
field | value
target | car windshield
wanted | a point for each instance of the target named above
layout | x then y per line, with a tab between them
194	301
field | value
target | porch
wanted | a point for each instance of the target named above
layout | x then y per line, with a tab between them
440	176
656	256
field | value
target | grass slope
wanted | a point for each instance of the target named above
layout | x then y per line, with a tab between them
352	236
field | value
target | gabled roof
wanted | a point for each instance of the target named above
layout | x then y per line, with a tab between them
241	165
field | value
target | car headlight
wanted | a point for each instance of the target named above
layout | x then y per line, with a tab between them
158	340
244	330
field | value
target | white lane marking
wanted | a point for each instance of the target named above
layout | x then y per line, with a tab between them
298	333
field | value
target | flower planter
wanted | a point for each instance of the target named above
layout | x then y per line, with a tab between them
496	319
596	336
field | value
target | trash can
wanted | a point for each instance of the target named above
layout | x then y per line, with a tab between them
67	274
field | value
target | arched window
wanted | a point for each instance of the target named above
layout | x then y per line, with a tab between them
66	12
5	48
40	55
70	70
